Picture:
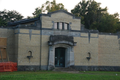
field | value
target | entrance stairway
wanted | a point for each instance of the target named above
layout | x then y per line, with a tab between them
64	69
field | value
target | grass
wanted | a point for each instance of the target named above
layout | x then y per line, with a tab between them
51	75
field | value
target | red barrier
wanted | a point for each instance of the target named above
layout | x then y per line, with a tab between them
8	66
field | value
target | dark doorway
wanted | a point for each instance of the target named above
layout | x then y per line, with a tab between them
60	57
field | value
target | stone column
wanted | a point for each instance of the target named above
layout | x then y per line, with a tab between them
71	56
51	58
67	57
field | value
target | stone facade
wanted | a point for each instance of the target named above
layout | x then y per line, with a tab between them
29	43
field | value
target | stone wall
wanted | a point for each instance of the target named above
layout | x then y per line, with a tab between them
109	50
104	51
28	40
9	34
84	46
44	52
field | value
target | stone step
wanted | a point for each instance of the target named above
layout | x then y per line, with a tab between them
63	69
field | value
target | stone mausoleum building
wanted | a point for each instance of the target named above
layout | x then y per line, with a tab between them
58	39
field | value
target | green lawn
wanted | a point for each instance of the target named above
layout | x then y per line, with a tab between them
51	75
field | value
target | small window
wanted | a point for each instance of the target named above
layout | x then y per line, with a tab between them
60	26
65	26
55	25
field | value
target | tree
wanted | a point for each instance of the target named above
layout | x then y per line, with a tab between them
89	11
108	23
48	7
2	22
94	14
80	10
95	17
8	16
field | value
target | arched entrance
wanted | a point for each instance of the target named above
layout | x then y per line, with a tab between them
60	57
61	51
54	52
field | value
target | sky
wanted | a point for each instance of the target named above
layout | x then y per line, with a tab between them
27	7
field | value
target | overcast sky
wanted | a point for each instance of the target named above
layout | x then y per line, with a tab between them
27	7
